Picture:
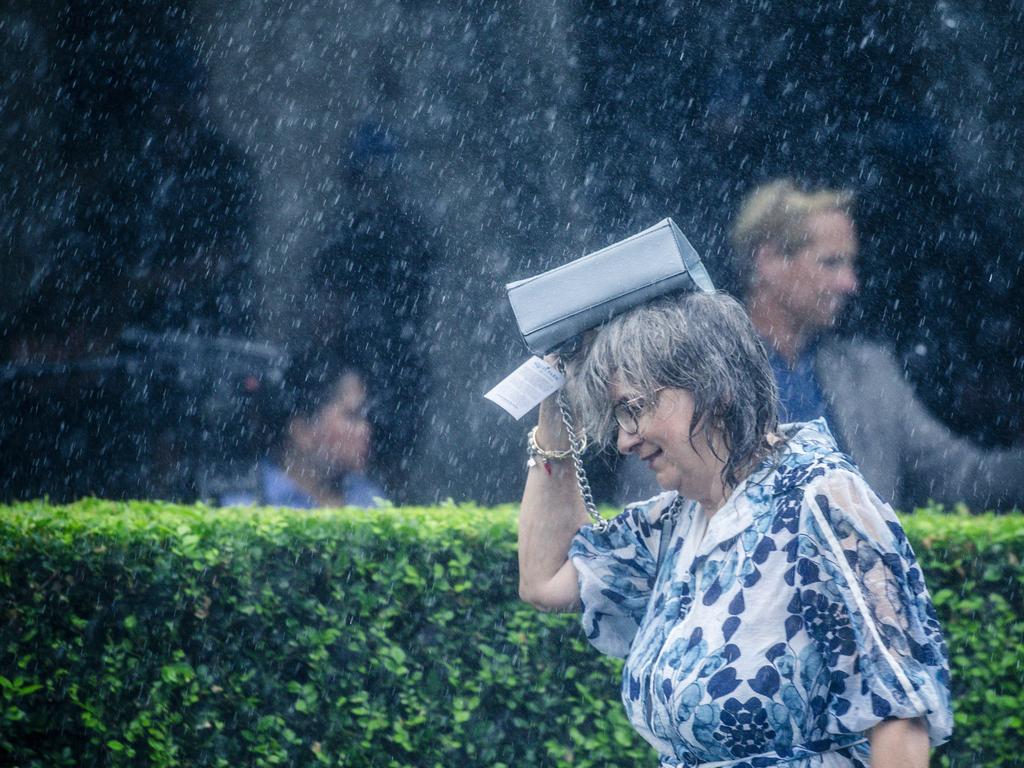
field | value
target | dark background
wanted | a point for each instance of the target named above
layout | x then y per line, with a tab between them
196	191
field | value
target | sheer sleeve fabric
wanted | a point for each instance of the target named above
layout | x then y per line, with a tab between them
617	569
862	598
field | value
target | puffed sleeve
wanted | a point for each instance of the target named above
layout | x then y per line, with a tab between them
863	601
616	570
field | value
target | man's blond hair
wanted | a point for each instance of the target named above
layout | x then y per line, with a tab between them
776	213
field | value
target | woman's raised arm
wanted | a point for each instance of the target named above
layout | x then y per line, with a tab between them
550	514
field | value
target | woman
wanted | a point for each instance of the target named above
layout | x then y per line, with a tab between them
320	446
768	605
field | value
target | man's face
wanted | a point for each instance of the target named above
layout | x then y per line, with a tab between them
813	285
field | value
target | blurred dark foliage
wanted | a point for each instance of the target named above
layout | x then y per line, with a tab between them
157	229
151	234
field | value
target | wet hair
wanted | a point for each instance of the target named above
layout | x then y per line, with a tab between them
312	382
703	343
777	213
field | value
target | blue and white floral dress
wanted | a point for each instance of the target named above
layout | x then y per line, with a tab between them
776	633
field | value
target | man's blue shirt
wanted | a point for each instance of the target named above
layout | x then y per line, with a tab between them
800	395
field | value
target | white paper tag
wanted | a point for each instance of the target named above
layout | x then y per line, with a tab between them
524	388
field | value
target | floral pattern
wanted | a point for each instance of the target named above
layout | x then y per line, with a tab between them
777	632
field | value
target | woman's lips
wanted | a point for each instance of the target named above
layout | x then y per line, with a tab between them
650	458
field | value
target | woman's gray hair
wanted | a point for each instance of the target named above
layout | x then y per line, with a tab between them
701	342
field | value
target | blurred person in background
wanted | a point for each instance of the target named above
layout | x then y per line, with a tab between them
319	444
796	253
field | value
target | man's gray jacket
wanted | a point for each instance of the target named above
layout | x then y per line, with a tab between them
907	455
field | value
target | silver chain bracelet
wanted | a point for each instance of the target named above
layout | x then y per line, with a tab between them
577	445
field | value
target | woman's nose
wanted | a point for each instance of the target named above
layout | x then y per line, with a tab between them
625	442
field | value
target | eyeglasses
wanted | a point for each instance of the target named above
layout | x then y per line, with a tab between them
627	413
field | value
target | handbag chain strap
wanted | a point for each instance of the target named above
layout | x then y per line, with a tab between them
576	445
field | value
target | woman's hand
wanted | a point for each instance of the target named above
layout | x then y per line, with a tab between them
550	514
899	744
551	434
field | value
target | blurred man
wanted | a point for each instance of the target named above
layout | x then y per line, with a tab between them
796	252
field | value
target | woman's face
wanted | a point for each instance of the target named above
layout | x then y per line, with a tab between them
338	435
663	442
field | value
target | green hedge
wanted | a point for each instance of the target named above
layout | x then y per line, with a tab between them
160	635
